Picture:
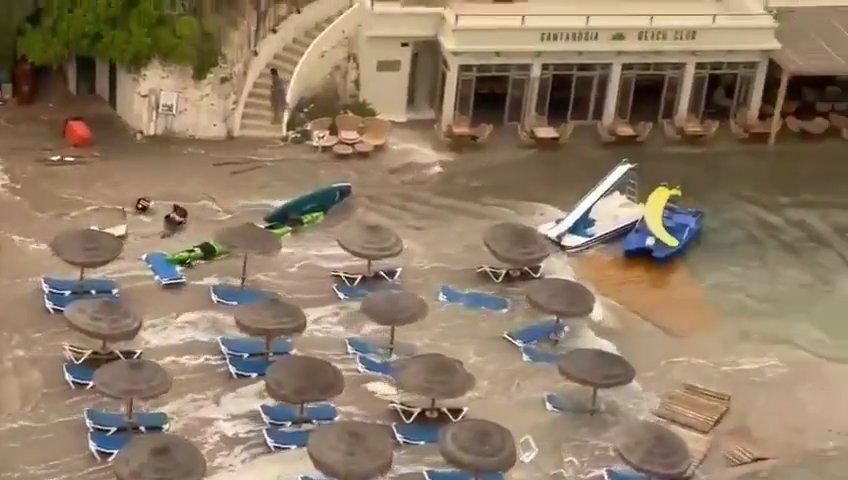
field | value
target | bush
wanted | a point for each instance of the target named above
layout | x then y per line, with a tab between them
361	108
320	106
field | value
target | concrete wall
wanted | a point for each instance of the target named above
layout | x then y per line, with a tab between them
385	90
71	75
101	79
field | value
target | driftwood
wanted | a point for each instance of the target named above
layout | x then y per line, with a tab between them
695	407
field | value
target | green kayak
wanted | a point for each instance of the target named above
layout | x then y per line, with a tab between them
206	251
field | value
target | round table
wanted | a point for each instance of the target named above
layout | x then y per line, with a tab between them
349	137
363	148
342	150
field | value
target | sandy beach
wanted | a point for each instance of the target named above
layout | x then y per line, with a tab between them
727	317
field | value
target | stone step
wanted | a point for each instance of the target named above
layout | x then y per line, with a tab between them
257	113
256	103
260	129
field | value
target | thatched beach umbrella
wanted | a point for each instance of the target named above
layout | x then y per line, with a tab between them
434	376
104	319
299	380
561	298
270	317
595	368
516	245
86	248
159	456
370	241
654	450
393	308
478	447
249	239
129	380
349	450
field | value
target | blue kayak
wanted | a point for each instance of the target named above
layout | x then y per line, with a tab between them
684	224
318	201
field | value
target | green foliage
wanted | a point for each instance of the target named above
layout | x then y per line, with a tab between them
361	108
129	32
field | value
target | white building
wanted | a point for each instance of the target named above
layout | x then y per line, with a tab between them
566	60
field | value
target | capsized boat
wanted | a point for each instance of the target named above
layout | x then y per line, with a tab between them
666	229
302	211
608	211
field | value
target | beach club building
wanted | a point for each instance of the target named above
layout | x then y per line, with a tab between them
504	61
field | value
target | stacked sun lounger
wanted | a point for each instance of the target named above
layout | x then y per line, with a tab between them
285	430
81	363
420	425
60	292
109	432
245	356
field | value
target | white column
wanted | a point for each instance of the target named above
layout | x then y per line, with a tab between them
685	91
611	100
756	100
532	91
449	97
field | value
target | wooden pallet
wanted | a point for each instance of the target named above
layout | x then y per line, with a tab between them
695	407
739	447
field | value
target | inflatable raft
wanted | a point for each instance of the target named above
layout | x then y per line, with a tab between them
286	219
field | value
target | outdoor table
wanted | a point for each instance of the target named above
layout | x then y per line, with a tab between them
326	141
363	148
349	137
342	150
624	130
545	133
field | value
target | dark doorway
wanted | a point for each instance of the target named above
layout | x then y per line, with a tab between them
113	85
647	97
86	76
559	105
490	93
721	90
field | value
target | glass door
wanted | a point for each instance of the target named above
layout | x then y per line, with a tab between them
465	97
698	98
670	96
582	98
625	96
742	96
516	92
543	98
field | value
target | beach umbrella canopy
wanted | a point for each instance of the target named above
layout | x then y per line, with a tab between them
433	375
478	446
350	450
595	368
129	380
159	456
270	317
654	450
86	248
104	319
370	241
560	297
249	239
298	380
516	244
393	308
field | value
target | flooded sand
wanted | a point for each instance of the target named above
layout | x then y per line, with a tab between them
754	310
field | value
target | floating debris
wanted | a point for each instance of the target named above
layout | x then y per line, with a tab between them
695	407
739	447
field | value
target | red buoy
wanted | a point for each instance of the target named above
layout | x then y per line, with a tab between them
77	133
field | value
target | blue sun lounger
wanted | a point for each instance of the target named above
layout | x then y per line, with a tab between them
247	367
532	354
358	292
535	332
110	422
433	474
367	364
78	375
56	303
234	295
68	286
285	439
105	447
287	415
558	404
473	300
622	474
245	347
406	434
165	272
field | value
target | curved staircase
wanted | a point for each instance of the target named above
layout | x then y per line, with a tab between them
256	115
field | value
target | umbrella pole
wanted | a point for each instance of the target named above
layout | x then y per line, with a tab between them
82	274
301	413
129	407
594	401
103	346
243	270
556	330
368	268
268	348
432	404
391	341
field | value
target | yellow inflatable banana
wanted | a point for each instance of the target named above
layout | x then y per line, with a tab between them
654	207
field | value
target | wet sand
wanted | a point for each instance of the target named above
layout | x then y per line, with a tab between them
440	204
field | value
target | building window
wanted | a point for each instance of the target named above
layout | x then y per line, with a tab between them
388	65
